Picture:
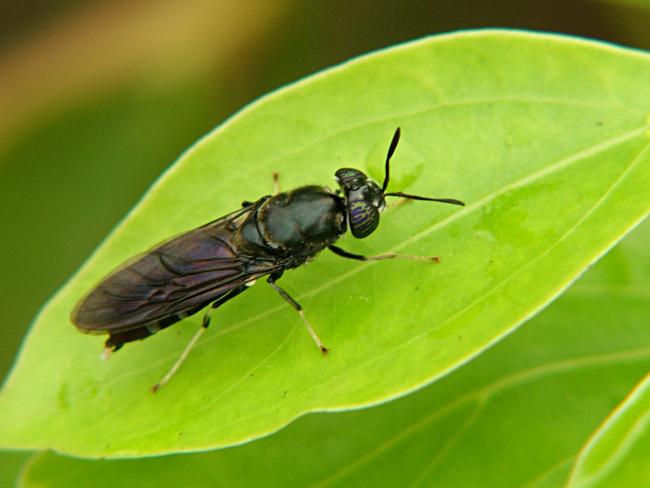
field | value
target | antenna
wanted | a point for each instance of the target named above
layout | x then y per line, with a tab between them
453	201
391	150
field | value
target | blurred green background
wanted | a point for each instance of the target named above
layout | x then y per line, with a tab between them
97	98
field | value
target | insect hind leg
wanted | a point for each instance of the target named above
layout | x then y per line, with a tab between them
172	371
205	323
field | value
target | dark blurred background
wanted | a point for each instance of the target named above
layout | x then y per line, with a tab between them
98	97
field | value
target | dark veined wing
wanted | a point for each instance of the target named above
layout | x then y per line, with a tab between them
173	280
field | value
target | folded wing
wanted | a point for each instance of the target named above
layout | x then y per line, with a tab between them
173	280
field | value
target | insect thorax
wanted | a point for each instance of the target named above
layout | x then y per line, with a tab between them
301	222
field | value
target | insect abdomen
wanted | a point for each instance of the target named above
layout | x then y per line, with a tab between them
118	339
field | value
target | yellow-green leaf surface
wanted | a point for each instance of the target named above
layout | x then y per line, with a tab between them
517	416
619	453
547	140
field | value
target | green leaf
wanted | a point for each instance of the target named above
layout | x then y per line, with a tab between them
516	416
11	465
617	455
547	140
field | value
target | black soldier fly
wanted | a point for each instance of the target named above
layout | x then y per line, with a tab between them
216	262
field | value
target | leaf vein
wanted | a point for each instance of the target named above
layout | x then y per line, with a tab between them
556	166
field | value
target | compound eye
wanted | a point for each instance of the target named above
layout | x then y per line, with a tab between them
363	216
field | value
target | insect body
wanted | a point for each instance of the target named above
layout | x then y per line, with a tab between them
216	262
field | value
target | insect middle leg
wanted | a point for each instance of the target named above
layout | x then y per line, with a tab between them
380	257
205	323
298	308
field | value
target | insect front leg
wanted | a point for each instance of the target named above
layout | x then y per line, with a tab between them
272	281
380	257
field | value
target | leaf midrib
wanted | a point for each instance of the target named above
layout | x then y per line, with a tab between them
526	180
549	169
472	353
